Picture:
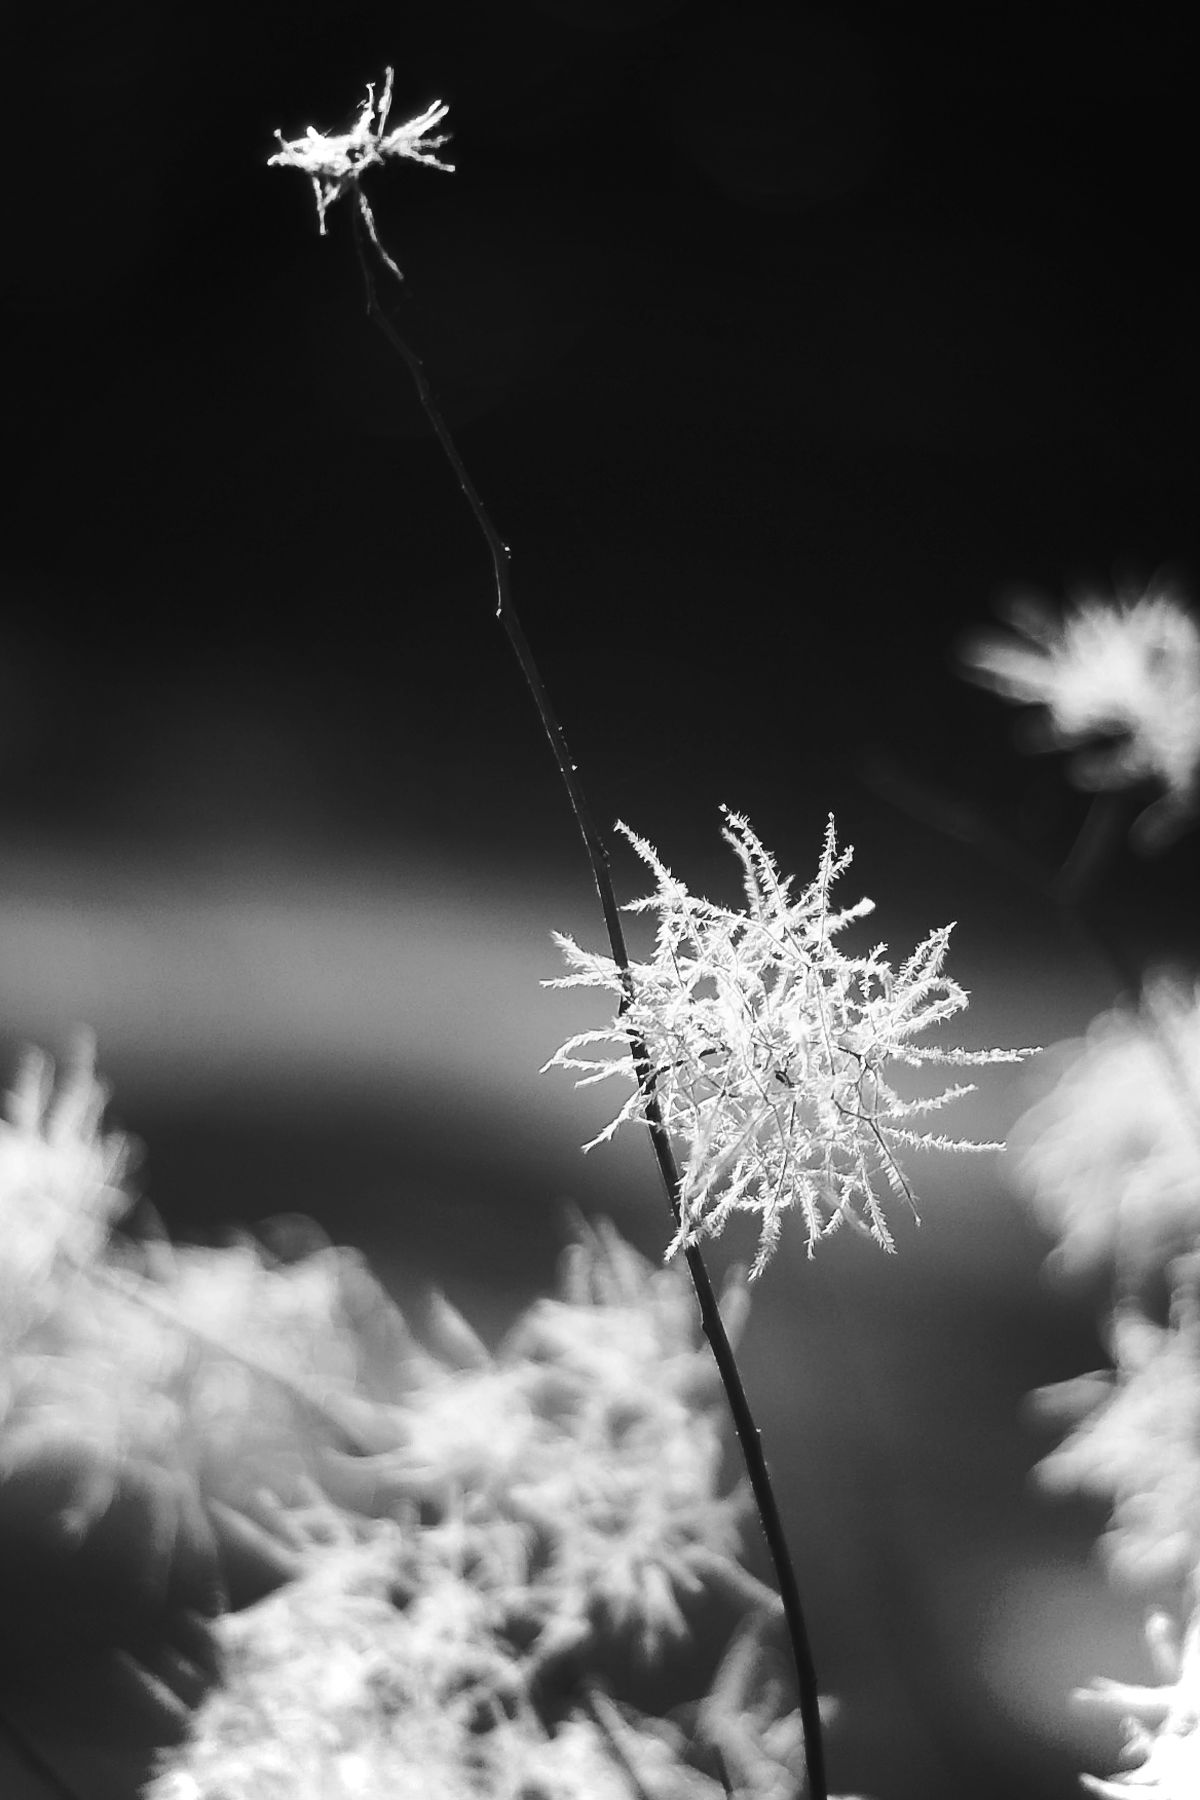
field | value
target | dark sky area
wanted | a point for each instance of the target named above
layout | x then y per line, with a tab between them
783	342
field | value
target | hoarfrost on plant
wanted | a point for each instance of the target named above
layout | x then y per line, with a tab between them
336	162
769	1051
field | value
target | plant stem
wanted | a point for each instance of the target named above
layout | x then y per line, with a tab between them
710	1314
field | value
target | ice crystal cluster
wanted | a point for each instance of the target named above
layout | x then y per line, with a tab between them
1127	672
335	162
1109	1157
454	1529
770	1052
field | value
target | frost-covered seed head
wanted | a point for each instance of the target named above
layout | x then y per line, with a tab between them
336	162
771	1051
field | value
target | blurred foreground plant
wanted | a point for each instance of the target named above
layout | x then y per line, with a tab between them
1119	683
1132	1200
454	1530
1109	1154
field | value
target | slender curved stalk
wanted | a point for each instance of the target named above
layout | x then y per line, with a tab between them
597	853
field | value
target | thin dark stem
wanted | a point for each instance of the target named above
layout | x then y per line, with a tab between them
597	853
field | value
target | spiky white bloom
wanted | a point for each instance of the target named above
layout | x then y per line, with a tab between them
1162	1723
1130	668
336	162
1109	1156
769	1050
1136	1442
389	1665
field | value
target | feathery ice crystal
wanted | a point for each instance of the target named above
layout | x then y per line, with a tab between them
335	163
770	1050
1128	671
604	1487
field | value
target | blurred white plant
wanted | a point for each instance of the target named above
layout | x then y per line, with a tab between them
1128	671
385	1669
60	1186
451	1525
336	162
1162	1723
604	1484
189	1375
770	1050
1109	1156
534	1501
1136	1442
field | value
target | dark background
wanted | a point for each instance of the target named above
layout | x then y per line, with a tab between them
783	343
